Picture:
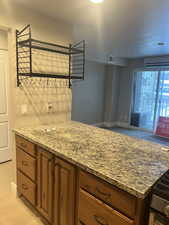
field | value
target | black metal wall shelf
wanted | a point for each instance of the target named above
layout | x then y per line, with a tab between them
25	47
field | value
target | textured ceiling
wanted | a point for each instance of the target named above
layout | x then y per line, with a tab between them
130	28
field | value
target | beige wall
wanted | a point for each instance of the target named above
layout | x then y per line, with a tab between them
34	98
3	40
30	95
44	28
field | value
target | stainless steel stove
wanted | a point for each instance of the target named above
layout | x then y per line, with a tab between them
159	211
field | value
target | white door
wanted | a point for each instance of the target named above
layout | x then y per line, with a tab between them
5	153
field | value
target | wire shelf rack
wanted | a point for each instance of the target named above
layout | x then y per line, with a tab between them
41	59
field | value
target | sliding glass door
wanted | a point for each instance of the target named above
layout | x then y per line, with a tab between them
150	98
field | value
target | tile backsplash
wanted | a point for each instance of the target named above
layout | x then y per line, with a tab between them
43	101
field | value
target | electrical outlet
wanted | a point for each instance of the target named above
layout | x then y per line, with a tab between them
49	107
24	109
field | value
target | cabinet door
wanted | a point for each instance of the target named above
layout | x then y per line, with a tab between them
45	184
64	188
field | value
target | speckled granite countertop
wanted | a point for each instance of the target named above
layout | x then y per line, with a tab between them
131	164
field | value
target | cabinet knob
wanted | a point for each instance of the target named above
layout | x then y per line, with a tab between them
24	163
100	220
24	187
81	222
107	195
23	145
166	210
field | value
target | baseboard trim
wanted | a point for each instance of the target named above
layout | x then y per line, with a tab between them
119	124
122	124
128	126
98	124
14	188
109	124
105	124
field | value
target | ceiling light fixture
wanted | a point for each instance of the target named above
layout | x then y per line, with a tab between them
97	1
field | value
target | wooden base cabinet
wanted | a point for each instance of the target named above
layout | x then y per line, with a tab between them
65	187
63	194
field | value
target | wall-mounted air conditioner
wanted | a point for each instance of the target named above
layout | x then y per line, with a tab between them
156	61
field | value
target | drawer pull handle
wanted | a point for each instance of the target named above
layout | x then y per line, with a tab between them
24	186
23	145
100	220
82	222
24	163
87	187
108	195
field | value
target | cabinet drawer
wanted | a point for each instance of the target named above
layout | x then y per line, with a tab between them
26	163
27	146
111	195
26	187
95	212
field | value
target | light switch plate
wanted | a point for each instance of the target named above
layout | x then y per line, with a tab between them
24	109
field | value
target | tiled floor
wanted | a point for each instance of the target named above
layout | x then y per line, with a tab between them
141	134
12	210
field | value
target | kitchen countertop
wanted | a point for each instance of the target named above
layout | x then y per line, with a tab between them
131	164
